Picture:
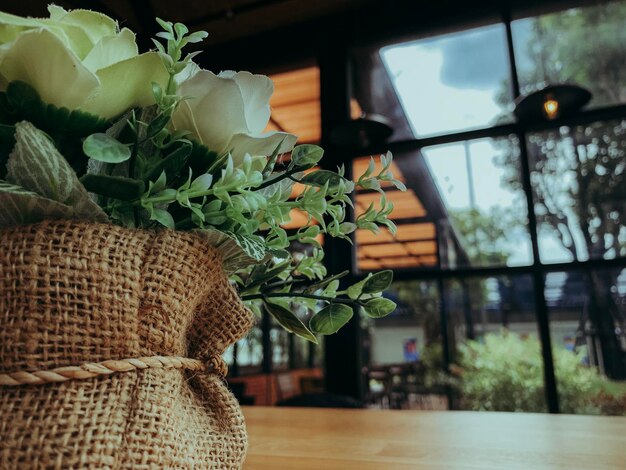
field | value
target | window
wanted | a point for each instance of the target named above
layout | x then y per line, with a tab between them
452	82
485	192
586	46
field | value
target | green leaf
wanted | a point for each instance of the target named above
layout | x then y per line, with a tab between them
201	159
306	156
104	148
237	251
378	282
324	282
331	318
269	274
172	164
36	165
355	290
289	321
163	217
18	206
379	307
115	187
321	177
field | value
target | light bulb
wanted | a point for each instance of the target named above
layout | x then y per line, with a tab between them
551	107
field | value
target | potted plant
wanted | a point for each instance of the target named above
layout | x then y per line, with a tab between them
141	207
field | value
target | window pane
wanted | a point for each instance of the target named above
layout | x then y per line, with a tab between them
579	183
587	313
494	345
586	46
485	217
452	82
250	351
279	340
403	352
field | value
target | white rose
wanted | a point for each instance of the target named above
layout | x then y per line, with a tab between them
78	60
228	112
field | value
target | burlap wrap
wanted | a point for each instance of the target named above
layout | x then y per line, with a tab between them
74	292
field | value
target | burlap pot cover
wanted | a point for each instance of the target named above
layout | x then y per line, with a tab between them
74	293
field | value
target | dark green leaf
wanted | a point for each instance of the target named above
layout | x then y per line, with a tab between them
379	307
269	274
321	177
290	322
201	159
115	187
104	148
331	318
172	164
378	282
324	282
158	124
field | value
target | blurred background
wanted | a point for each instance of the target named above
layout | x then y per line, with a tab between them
507	121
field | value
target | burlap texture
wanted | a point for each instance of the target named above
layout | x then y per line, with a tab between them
73	292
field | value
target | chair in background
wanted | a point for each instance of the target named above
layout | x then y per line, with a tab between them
311	385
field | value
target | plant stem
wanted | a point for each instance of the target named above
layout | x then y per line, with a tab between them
286	174
298	294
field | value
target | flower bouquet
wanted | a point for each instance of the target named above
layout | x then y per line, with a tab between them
141	214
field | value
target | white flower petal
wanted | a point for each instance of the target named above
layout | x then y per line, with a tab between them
42	60
127	84
111	49
262	145
256	91
95	25
217	107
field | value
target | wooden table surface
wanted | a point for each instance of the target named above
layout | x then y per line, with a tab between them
326	439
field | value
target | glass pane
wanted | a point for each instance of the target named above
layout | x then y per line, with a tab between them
485	218
494	344
402	352
586	46
250	351
587	313
300	352
452	82
279	340
579	183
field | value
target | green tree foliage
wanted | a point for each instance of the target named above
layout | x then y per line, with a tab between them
504	372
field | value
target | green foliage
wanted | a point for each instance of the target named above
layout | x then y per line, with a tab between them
142	174
504	372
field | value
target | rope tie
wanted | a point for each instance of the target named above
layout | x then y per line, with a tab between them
213	364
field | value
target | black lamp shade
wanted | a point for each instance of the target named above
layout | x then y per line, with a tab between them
368	130
569	99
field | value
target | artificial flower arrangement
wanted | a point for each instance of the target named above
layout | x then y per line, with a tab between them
150	140
173	158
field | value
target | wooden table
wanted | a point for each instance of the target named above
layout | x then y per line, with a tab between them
324	439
